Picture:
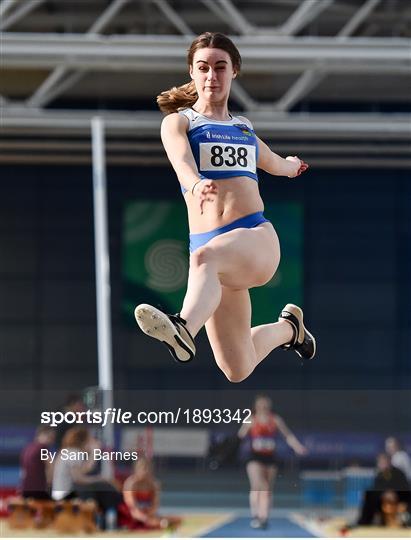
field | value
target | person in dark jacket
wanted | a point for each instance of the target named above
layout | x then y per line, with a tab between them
388	479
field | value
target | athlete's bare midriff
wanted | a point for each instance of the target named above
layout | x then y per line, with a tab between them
236	197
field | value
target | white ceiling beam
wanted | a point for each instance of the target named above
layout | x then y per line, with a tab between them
45	21
243	97
47	90
174	17
270	124
252	67
311	78
5	6
236	19
238	23
60	87
303	15
21	11
41	95
357	19
300	88
106	17
51	88
75	51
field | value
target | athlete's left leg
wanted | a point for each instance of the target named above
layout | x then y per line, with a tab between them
255	473
267	337
270	472
261	479
230	336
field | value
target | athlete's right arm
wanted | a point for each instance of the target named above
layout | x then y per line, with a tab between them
244	430
177	147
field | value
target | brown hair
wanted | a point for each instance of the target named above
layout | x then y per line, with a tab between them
186	95
75	437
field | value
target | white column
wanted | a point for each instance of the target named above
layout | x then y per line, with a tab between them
102	262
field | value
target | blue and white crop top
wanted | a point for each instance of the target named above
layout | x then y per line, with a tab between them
222	148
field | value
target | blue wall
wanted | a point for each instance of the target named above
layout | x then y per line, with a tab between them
357	249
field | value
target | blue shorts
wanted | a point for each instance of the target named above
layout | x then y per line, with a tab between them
246	222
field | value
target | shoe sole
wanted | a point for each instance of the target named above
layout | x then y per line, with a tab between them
298	313
156	324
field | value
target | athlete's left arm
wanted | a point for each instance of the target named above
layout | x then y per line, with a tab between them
289	436
274	164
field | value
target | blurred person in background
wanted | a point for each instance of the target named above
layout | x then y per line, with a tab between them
141	494
389	481
72	478
399	457
262	463
36	473
73	403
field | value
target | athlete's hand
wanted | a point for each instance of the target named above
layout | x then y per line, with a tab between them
205	191
301	166
301	450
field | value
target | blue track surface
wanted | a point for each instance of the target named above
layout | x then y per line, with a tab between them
278	528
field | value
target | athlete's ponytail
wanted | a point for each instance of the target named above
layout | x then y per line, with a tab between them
180	97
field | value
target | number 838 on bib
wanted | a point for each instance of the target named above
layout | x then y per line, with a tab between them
227	157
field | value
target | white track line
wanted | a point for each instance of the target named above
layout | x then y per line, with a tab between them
222	521
307	524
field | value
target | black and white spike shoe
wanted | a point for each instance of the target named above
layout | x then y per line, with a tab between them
303	343
169	329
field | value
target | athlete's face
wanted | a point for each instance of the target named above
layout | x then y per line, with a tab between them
262	405
212	72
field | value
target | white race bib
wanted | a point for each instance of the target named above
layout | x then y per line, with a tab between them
261	444
220	156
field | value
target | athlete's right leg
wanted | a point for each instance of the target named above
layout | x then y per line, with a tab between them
203	289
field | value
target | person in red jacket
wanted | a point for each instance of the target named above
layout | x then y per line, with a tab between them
261	463
35	472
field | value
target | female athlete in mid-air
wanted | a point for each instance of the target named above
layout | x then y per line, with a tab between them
233	247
